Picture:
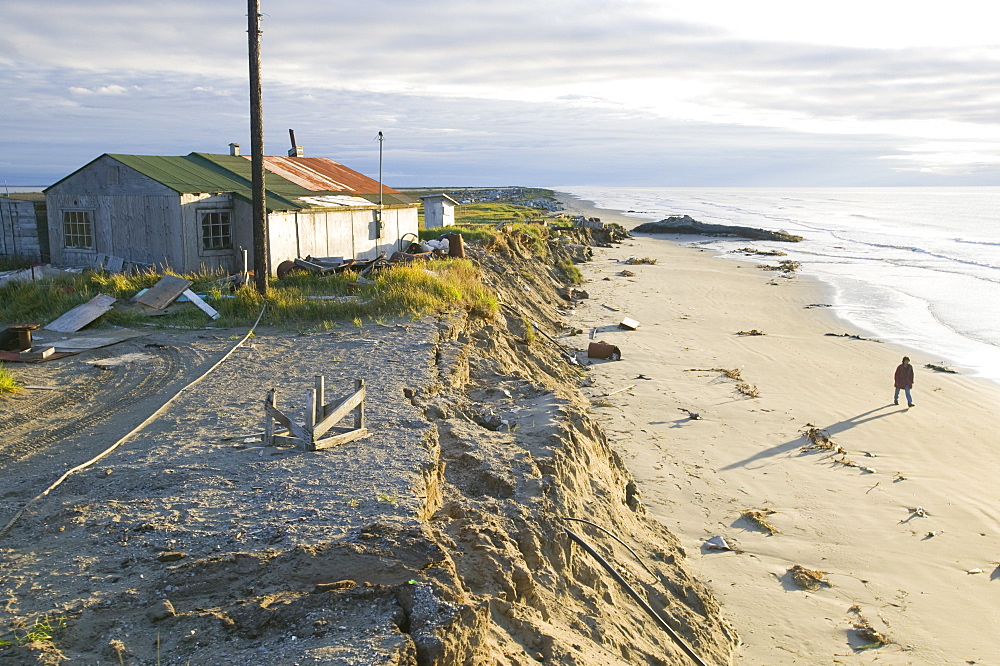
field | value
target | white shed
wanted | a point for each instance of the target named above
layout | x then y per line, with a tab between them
439	210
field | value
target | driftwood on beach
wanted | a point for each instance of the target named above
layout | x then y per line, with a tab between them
685	224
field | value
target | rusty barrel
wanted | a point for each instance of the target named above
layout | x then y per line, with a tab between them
456	248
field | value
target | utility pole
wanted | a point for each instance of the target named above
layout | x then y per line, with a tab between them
261	269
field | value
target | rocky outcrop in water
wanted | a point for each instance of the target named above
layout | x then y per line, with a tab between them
685	224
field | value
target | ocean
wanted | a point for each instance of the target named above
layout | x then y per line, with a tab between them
916	266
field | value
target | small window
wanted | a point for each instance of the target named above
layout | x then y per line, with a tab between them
216	230
78	232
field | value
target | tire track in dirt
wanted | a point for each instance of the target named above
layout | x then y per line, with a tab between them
107	394
41	440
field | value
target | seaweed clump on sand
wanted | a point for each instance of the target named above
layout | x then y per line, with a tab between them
808	579
685	224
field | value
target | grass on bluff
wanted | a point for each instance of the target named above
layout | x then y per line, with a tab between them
297	301
487	235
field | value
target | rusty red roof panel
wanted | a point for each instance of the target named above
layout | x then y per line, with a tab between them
321	174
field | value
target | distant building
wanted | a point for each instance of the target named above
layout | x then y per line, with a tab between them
439	210
193	212
23	227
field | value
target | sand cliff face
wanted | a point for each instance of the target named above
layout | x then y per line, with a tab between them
439	540
505	495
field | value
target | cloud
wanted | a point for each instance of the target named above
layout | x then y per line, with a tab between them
112	89
612	89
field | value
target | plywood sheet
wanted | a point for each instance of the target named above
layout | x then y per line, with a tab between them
164	292
104	339
81	315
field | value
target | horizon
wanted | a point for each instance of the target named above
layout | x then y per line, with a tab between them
599	92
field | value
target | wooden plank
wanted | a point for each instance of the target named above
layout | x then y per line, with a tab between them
202	305
320	406
342	429
311	408
114	264
339	412
81	315
336	440
163	293
285	439
359	411
103	339
294	428
271	400
37	353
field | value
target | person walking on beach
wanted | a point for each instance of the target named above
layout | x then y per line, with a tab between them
904	380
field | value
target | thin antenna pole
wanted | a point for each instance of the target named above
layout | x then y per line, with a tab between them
259	215
380	140
378	219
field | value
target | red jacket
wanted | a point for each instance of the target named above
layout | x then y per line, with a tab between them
904	376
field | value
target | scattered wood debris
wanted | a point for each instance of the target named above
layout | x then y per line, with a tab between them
321	417
940	368
852	336
201	304
752	331
869	637
847	462
760	253
819	440
164	292
785	266
758	518
141	358
808	579
81	315
731	373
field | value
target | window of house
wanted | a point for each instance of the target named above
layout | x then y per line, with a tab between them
216	230
78	230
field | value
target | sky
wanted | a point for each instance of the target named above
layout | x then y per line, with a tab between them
543	92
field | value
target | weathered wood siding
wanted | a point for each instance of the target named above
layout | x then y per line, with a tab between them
19	229
132	217
196	257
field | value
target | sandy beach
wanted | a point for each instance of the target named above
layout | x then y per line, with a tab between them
899	514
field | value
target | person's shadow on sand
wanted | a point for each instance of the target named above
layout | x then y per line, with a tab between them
798	442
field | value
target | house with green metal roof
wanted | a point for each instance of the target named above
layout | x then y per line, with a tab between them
193	212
